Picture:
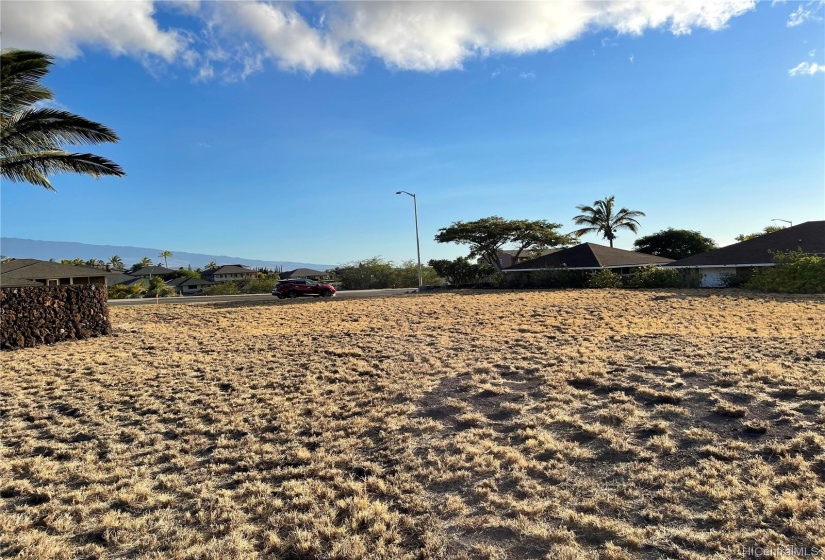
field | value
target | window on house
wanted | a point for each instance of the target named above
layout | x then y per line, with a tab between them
52	282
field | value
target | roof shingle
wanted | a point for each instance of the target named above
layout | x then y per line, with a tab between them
589	256
808	236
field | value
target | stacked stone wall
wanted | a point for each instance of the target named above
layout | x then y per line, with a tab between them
35	315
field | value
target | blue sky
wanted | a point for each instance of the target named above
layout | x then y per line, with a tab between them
283	131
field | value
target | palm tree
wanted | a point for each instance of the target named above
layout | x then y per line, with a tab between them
96	263
32	138
116	262
600	218
165	255
211	265
144	262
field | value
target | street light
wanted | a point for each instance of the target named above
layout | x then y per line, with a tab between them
417	244
781	220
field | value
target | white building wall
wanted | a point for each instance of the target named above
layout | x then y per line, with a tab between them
712	277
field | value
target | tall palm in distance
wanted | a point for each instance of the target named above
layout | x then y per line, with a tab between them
602	219
165	255
116	262
32	138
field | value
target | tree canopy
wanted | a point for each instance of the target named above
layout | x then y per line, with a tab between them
376	273
487	236
749	236
461	270
32	137
674	243
601	218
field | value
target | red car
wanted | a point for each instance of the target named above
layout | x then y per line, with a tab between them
301	287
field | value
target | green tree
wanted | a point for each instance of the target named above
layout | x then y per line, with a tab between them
116	262
158	288
406	275
182	273
142	263
211	265
487	236
461	270
120	291
368	274
32	138
73	262
674	243
603	219
749	236
165	254
96	263
796	272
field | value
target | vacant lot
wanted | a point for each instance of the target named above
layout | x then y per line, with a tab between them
571	424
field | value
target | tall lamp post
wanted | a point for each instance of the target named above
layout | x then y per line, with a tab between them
417	244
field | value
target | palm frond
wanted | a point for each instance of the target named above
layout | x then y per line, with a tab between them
44	129
25	167
20	74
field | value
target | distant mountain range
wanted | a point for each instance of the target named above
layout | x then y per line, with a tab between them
57	250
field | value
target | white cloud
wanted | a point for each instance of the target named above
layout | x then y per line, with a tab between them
805	12
232	40
62	28
527	75
286	37
806	69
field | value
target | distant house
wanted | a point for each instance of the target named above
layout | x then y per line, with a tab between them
307	273
120	278
507	258
150	271
188	286
33	272
228	272
738	258
590	256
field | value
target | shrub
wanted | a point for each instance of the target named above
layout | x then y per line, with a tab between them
795	273
222	289
126	292
652	276
604	278
461	271
376	273
259	286
157	288
550	278
182	273
739	278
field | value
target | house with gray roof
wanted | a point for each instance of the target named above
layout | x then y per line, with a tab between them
307	273
189	286
34	272
229	272
509	257
151	271
739	258
590	256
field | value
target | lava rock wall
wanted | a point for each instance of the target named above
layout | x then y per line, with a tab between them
34	315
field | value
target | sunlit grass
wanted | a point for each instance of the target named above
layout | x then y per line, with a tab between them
483	425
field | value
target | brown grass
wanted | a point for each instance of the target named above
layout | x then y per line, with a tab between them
603	424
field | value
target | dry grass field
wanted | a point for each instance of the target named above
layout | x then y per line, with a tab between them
556	424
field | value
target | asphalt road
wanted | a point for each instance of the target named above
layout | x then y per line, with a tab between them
348	294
